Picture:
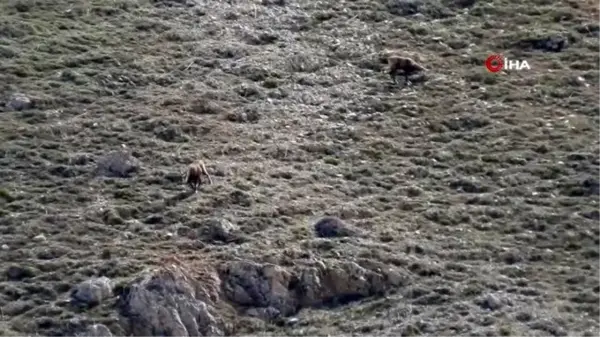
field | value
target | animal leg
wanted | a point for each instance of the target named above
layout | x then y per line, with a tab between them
393	76
205	172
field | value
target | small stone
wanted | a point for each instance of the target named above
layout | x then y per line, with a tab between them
394	277
490	302
5	247
293	321
91	292
106	254
128	235
330	226
219	230
118	164
17	273
39	238
19	102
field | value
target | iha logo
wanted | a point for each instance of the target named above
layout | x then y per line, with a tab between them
496	62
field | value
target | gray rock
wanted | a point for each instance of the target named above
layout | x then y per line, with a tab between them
170	301
215	229
280	292
119	164
490	302
292	321
185	300
255	285
18	102
39	238
92	292
336	283
18	272
329	227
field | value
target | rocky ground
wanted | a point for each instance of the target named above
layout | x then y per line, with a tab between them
464	204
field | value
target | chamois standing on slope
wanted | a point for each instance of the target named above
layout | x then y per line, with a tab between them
193	176
402	64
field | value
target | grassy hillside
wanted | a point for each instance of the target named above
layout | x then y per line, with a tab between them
480	185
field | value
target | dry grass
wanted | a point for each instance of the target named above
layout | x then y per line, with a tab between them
479	184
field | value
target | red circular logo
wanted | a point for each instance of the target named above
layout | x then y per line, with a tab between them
494	63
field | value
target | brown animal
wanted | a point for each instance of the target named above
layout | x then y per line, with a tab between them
406	65
194	174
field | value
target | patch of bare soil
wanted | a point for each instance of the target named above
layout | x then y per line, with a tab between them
464	204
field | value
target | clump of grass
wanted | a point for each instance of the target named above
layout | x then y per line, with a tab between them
205	107
5	194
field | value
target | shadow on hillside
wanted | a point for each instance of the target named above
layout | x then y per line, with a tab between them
179	197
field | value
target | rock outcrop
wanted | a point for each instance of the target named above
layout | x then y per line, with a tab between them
278	292
172	301
197	299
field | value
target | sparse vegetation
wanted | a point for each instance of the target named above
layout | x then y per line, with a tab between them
475	194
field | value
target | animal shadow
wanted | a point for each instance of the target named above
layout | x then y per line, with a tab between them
413	81
179	197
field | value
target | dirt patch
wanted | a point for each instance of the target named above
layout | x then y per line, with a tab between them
479	190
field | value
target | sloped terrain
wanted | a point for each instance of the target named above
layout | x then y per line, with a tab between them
480	190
